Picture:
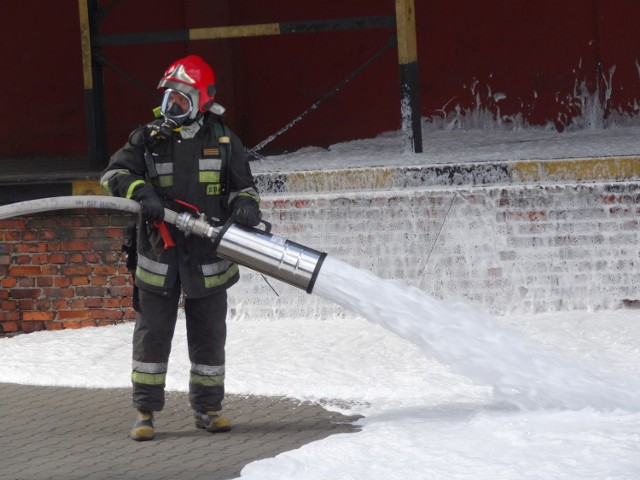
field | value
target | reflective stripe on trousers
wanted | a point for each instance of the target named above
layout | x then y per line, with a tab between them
149	373
207	375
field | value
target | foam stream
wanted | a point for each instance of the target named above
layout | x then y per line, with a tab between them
473	344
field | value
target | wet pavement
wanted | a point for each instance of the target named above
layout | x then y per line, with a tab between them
69	433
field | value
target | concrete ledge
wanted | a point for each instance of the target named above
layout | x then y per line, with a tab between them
521	172
580	170
517	172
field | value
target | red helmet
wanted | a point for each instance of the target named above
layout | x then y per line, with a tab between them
192	76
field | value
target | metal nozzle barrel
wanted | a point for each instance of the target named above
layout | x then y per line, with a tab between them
259	250
270	254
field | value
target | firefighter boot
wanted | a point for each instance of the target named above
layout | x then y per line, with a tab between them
143	427
212	422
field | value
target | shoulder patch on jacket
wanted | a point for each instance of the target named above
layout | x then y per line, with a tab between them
207	152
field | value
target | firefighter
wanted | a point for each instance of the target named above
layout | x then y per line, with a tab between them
186	159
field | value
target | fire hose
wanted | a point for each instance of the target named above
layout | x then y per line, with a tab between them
254	248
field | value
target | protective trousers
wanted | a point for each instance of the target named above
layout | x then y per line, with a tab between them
206	337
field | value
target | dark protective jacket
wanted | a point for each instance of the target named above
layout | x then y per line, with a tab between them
198	171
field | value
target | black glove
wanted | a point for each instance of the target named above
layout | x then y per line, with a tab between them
247	212
151	206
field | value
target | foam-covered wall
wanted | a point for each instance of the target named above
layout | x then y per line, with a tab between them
503	248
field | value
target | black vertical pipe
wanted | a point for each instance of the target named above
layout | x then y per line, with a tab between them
408	65
410	105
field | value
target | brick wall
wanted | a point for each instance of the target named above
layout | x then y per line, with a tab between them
504	248
63	270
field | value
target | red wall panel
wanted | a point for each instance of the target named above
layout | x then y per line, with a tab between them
511	56
41	81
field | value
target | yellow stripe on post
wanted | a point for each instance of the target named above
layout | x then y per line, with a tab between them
85	40
406	31
234	31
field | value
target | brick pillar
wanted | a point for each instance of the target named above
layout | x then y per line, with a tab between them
63	270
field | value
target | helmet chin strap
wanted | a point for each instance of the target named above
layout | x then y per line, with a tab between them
189	130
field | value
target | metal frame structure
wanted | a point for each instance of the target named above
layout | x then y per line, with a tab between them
92	61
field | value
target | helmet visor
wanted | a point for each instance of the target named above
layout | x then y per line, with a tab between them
176	105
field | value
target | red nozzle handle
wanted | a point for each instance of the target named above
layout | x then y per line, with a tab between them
188	205
166	236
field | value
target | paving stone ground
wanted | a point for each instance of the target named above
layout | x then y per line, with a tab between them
51	433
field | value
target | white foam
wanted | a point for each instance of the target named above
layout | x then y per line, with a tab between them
473	344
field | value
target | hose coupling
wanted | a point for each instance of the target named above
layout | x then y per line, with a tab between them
199	226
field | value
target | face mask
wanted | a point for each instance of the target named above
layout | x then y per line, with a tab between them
176	106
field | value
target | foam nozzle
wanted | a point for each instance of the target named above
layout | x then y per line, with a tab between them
257	249
270	254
